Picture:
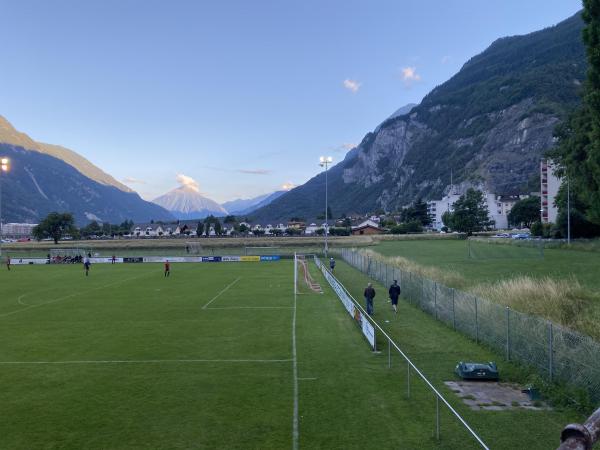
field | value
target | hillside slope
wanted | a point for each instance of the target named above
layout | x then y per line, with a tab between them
488	126
9	135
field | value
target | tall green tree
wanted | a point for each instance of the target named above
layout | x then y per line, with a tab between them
525	211
199	229
55	226
417	212
470	213
218	228
578	150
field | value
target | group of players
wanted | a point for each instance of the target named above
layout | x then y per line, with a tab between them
87	264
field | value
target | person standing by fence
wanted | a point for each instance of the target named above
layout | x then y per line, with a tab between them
394	294
331	264
369	296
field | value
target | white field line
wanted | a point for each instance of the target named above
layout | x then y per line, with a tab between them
27	294
147	361
295	428
250	307
222	292
20	300
75	294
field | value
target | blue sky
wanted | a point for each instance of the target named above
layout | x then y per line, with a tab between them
241	96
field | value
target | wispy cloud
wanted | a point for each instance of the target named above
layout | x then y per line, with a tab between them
244	171
288	186
409	75
131	180
189	182
254	171
352	85
342	147
445	59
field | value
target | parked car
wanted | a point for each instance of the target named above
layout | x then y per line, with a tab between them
502	235
521	236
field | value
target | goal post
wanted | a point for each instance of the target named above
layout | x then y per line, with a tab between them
295	273
193	248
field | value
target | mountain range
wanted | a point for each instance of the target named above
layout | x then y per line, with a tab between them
45	178
488	126
240	207
186	202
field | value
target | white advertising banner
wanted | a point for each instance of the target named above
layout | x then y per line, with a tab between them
173	259
367	329
107	260
17	261
231	258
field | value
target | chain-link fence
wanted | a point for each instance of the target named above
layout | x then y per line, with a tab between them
557	353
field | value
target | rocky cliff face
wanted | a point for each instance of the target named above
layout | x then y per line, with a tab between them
503	158
488	126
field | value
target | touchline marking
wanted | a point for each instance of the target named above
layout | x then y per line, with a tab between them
295	430
222	292
149	361
72	295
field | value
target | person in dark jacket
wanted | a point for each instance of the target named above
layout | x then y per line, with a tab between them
332	264
369	296
394	294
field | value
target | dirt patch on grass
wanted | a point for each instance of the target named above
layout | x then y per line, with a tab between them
494	396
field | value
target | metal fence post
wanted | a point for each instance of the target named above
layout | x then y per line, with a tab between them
507	333
550	351
453	310
476	322
435	299
437	417
407	379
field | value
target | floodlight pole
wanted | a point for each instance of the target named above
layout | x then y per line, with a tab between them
324	162
568	212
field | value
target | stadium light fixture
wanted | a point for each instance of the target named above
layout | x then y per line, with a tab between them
4	167
325	161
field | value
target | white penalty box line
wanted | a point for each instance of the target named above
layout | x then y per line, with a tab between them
225	289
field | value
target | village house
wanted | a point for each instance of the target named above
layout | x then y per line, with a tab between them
367	227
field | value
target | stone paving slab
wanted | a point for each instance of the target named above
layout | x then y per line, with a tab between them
494	396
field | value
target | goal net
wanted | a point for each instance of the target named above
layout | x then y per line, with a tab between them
304	283
193	248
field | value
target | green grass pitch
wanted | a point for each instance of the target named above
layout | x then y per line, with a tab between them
126	359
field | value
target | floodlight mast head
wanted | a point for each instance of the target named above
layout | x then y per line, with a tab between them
4	164
325	160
